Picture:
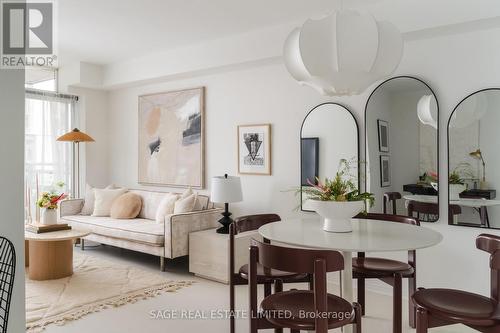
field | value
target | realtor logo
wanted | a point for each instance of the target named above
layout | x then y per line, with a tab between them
27	34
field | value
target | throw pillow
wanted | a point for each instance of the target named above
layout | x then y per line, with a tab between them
104	200
197	204
166	206
185	205
126	206
88	205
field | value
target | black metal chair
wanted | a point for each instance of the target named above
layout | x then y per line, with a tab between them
7	272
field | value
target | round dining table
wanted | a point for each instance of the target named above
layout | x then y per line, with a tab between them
366	236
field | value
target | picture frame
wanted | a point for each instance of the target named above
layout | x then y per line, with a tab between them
171	138
254	149
385	171
383	135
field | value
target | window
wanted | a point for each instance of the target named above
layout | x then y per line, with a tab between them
47	161
41	78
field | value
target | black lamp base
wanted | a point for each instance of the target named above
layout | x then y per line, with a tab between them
225	221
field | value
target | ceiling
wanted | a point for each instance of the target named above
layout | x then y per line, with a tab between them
109	31
106	31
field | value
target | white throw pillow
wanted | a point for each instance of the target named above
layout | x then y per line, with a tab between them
185	205
104	200
88	205
197	203
166	206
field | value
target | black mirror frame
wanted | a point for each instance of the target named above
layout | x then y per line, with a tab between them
437	133
300	143
448	154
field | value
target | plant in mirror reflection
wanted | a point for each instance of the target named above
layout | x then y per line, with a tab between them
461	172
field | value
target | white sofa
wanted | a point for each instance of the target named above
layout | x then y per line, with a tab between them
168	239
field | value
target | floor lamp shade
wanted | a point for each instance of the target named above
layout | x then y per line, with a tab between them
76	136
226	189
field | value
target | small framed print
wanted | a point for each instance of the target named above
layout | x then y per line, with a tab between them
254	149
383	136
385	171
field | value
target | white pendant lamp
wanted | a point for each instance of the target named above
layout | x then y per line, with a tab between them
343	53
427	110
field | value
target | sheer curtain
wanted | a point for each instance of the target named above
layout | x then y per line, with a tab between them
47	161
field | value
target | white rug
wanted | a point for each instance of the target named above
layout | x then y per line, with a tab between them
95	285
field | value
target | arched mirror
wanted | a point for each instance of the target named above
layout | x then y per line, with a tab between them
329	133
474	160
402	148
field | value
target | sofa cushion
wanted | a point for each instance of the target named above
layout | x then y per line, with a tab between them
166	207
126	206
150	203
88	205
104	199
185	205
139	230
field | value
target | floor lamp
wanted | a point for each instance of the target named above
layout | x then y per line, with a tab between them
76	136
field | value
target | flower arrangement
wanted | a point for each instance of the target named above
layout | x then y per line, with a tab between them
341	188
50	200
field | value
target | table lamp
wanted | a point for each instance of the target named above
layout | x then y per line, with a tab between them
479	156
225	189
76	136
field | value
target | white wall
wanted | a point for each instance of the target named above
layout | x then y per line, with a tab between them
93	120
12	180
453	66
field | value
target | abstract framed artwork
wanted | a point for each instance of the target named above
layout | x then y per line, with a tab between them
254	149
385	171
383	136
171	138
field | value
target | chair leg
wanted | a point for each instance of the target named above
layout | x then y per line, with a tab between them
422	320
278	287
231	308
82	244
397	304
311	282
358	310
361	295
412	288
162	264
267	289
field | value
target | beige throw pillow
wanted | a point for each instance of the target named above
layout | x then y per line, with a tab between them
185	205
88	204
104	200
187	193
126	206
166	207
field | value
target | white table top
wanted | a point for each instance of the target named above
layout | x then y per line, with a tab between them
367	235
55	235
462	202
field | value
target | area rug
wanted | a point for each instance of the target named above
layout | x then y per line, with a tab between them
96	284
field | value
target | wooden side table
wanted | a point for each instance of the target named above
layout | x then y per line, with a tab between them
209	253
50	255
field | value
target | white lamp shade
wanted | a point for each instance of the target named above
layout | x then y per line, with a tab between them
343	53
427	110
226	189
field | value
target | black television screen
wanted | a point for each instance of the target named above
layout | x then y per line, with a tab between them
309	160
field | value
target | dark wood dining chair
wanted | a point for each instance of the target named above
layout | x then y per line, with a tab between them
417	209
442	307
7	274
265	276
391	197
389	271
311	310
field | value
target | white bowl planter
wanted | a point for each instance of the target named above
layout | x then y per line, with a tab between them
455	190
337	214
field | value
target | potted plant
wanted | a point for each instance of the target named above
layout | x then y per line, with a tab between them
337	200
49	202
457	185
